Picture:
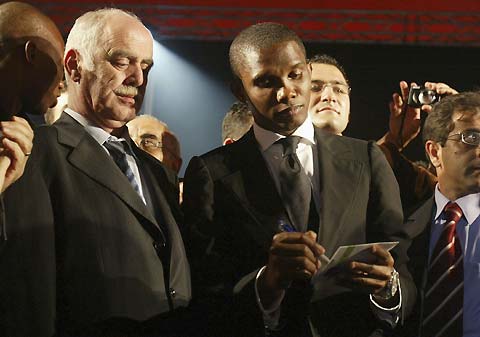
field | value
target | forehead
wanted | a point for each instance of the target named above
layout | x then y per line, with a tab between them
125	34
150	127
276	58
466	119
327	73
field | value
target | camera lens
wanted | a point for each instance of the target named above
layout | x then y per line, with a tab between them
427	96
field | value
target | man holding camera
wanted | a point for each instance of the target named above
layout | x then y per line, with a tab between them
416	183
445	254
329	110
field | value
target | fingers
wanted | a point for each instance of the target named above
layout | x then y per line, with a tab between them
17	143
441	88
368	277
363	277
297	243
17	161
404	89
396	105
19	131
383	256
16	155
292	256
427	108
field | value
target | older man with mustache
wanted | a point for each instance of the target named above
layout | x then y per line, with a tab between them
105	228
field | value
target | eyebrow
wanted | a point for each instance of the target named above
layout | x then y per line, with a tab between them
330	82
148	135
124	53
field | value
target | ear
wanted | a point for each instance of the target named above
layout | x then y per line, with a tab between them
434	152
236	87
228	140
31	51
72	66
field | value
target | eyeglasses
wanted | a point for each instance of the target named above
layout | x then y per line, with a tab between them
150	143
469	137
337	88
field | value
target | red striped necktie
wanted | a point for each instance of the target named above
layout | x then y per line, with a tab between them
443	303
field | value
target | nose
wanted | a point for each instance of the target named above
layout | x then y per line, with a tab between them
328	95
285	93
135	77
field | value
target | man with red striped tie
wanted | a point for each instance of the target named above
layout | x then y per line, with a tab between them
445	255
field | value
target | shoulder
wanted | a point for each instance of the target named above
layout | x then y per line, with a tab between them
225	159
352	148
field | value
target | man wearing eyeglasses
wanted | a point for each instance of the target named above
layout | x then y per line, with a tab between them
329	106
154	137
446	271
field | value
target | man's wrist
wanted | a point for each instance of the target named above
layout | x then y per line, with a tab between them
390	290
392	141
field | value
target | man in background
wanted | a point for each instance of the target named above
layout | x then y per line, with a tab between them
445	252
31	50
237	121
154	137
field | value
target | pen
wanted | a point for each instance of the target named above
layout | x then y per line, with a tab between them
286	227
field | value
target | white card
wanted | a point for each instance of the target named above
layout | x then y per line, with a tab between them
359	253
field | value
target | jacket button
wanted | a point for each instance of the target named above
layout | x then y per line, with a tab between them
172	292
158	245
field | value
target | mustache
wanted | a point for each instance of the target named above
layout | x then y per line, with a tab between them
126	90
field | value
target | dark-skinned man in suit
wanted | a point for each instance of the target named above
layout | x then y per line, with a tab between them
248	273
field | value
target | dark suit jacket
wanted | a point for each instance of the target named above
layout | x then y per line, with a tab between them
418	226
82	246
232	208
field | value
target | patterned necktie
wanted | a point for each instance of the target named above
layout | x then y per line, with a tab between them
443	305
117	150
295	186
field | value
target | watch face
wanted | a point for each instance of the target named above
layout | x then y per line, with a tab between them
393	283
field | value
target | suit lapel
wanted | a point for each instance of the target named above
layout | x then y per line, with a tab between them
254	188
161	188
90	158
339	179
418	225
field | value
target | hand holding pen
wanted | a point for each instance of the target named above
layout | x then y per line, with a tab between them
293	256
286	227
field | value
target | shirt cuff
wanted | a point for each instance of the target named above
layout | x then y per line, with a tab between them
271	315
388	315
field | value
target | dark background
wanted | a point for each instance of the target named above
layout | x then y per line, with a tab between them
378	42
374	72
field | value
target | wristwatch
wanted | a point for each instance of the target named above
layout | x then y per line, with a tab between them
391	288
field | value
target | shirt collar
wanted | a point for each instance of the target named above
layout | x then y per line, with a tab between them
267	138
470	205
96	132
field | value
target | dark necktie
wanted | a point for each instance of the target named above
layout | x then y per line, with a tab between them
443	304
295	187
117	150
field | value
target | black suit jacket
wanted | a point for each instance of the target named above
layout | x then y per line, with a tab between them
232	209
418	226
82	246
